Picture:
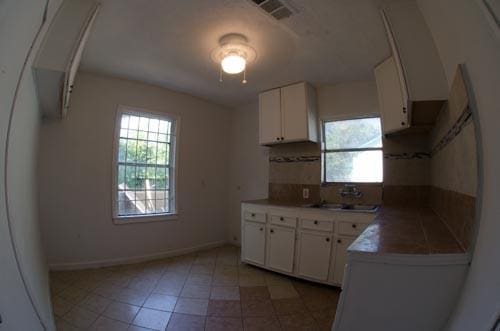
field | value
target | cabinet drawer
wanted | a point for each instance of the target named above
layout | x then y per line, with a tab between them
255	216
314	224
284	220
352	228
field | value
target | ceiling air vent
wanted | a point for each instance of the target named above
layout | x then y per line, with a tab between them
276	8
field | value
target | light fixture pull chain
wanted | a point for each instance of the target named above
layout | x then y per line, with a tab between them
220	74
244	81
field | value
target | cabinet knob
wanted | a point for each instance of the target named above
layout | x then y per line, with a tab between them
253	215
261	229
316	222
278	138
354	226
402	123
282	138
272	231
328	239
281	218
339	241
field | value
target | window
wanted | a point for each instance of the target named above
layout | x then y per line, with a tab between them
144	165
352	151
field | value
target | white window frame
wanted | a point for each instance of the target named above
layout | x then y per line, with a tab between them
324	151
145	218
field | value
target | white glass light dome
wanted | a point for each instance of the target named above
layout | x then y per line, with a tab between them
233	63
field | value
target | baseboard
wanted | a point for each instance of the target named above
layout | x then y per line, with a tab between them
135	259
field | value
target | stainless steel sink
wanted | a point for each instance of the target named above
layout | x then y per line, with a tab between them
344	207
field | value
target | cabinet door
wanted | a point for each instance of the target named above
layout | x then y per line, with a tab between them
270	117
254	242
314	255
294	112
390	97
281	248
341	245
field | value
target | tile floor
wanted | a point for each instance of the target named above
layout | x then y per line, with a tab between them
208	290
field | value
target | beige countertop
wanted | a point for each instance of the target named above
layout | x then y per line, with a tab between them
398	230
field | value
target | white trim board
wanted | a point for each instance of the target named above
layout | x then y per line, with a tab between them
134	259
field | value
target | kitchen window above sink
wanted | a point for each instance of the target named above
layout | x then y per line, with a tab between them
352	151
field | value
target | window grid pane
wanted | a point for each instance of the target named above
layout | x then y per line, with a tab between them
143	166
352	151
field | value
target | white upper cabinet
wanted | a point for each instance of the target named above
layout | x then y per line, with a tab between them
288	114
419	71
59	56
270	117
390	96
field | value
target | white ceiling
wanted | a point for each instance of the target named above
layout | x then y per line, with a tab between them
168	43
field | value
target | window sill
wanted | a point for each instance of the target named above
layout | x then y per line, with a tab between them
121	220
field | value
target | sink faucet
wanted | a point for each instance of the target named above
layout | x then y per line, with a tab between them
350	190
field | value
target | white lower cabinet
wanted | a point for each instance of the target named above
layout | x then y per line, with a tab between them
254	242
314	254
298	241
281	248
340	258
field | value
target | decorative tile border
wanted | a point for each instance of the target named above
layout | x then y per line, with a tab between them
464	119
407	156
291	159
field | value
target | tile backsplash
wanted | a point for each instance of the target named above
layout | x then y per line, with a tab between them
436	170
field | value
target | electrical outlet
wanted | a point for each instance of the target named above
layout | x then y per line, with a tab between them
305	193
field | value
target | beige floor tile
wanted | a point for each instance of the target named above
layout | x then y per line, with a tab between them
169	286
132	297
137	328
95	303
61	306
161	302
223	324
289	306
224	308
320	303
199	279
257	308
184	322
80	317
276	279
195	291
204	269
251	280
121	312
152	319
269	323
302	322
88	283
62	325
143	284
191	306
282	291
324	318
73	294
107	324
225	293
254	293
109	291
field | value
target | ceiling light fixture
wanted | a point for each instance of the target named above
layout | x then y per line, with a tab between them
233	55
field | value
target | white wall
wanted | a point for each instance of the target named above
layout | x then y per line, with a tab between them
249	172
462	35
75	175
347	100
25	298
